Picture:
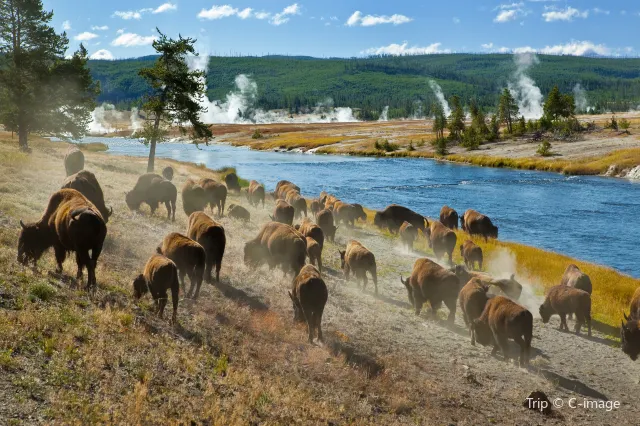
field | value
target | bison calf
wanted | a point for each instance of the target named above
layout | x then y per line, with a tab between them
359	260
309	295
442	240
238	212
167	173
408	234
189	257
472	299
472	254
160	274
563	300
211	236
503	319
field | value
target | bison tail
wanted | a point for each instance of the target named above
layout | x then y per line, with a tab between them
159	250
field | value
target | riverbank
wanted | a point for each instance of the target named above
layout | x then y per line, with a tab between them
236	357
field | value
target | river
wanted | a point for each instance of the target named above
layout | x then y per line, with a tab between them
589	218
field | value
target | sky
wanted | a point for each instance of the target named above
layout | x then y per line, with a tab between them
337	28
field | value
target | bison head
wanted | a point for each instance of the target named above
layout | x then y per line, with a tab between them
378	220
253	253
140	287
482	331
132	200
32	243
359	212
407	284
298	315
545	313
493	232
630	337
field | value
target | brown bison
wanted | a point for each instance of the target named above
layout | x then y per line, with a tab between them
475	223
393	216
283	212
211	236
408	234
236	211
359	260
324	219
216	194
315	206
309	295
574	277
69	223
73	161
442	240
472	254
160	274
194	199
563	300
630	330
472	299
508	287
153	189
313	232
430	282
255	193
282	183
348	213
299	204
314	252
504	319
86	183
189	257
167	173
449	217
277	244
232	182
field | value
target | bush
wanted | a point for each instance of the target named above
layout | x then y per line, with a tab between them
624	124
544	149
42	291
613	124
410	147
386	146
440	146
471	139
421	143
257	134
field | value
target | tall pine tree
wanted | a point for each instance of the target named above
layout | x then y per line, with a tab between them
508	110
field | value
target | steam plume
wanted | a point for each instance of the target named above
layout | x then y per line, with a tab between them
384	115
437	90
524	89
580	96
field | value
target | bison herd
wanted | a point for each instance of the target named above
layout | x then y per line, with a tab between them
76	216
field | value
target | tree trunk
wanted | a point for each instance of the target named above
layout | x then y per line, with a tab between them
22	136
152	148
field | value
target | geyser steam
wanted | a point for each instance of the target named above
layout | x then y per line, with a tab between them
524	89
437	90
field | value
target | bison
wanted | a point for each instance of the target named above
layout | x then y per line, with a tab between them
472	299
508	287
167	173
194	198
324	219
153	189
309	295
86	183
73	161
449	217
314	252
312	231
69	223
472	254
277	244
255	193
504	319
359	260
315	206
211	236
563	300
348	213
236	211
630	330
574	277
299	204
430	282
393	216
282	183
283	212
475	223
160	274
442	240
232	182
408	234
216	194
189	257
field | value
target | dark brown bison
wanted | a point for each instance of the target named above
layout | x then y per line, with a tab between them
504	319
153	189
309	295
314	252
472	299
315	206
277	244
630	330
430	282
359	260
393	216
167	173
238	212
194	198
563	300
86	183
216	194
313	232
574	277
283	212
211	236
255	193
69	223
442	240
160	274
73	161
324	219
472	254
189	257
232	182
449	217
475	223
408	234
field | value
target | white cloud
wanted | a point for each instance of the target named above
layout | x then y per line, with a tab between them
102	54
283	17
369	20
120	31
86	36
218	12
487	46
165	7
127	15
456	20
333	18
569	14
405	49
245	13
262	15
510	12
226	11
131	39
506	16
599	11
66	25
101	28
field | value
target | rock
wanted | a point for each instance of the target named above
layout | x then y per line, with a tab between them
538	401
613	170
634	173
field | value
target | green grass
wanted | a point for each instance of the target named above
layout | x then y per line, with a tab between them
92	146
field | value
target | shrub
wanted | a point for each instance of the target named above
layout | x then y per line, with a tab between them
440	146
624	124
613	124
544	149
421	143
411	147
257	134
42	291
386	146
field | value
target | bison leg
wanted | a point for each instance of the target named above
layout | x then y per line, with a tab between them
218	266
182	274
502	343
523	349
374	276
162	302
479	265
365	280
207	270
319	261
563	322
175	289
451	304
81	262
61	255
579	320
167	204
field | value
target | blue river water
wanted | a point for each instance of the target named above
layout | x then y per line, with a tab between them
589	218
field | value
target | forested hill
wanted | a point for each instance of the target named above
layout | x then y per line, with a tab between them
399	82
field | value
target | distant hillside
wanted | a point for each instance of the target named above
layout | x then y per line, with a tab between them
399	82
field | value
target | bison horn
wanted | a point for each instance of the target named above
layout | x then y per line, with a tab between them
402	281
22	224
110	211
626	318
513	277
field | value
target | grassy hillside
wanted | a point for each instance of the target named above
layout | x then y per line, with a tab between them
372	83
